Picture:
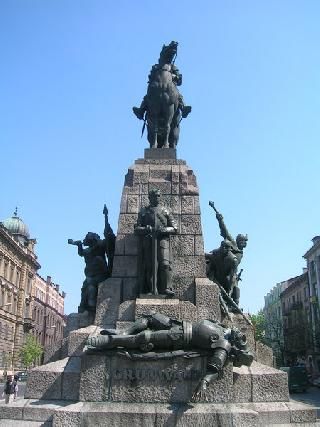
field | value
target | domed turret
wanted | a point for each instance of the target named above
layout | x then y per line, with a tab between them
17	228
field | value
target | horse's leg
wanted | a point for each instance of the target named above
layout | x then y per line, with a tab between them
167	126
152	132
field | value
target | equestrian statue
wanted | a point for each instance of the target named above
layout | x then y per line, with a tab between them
163	108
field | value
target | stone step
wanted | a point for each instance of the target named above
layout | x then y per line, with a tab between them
259	383
31	412
28	412
44	413
23	423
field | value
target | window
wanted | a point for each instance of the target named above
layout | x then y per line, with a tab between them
313	274
11	274
5	269
17	278
29	287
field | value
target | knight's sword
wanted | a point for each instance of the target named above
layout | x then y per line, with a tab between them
154	256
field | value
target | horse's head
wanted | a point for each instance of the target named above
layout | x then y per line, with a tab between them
168	53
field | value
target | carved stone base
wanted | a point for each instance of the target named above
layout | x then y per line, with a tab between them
91	414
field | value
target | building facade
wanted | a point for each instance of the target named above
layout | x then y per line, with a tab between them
47	311
297	328
274	321
18	290
312	257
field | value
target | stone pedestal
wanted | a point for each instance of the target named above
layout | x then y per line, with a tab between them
81	389
178	186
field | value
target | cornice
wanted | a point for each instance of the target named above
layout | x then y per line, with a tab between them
14	246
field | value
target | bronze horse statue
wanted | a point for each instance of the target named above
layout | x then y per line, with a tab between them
163	108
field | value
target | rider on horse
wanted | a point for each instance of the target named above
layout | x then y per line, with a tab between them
165	64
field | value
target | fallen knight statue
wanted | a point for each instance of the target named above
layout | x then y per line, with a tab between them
172	338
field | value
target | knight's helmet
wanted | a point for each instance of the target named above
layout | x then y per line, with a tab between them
168	53
208	334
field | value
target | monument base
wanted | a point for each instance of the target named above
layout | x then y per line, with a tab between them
75	414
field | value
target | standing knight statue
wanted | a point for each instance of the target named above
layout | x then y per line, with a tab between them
163	107
97	268
154	225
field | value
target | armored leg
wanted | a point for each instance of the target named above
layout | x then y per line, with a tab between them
145	341
84	297
92	292
165	280
164	269
139	111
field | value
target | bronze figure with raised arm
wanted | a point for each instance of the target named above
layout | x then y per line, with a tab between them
97	269
222	263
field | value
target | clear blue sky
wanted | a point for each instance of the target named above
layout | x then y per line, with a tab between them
70	73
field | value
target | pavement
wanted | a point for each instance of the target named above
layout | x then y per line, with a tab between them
311	396
21	389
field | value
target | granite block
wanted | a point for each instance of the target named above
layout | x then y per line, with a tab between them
169	307
174	204
198	245
221	391
108	302
131	244
270	413
35	410
187	205
70	416
45	382
268	384
71	379
190	224
207	299
127	311
123	203
175	188
160	172
137	189
76	340
125	266
94	380
242	384
133	204
189	266
188	311
157	154
158	381
130	288
163	186
160	162
184	288
13	411
196	205
119	245
264	354
141	175
128	179
182	245
126	223
301	413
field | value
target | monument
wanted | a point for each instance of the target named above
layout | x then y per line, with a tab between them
164	348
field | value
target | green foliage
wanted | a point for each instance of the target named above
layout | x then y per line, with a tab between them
31	351
259	323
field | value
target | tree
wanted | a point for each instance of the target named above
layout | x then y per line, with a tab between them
259	323
30	351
